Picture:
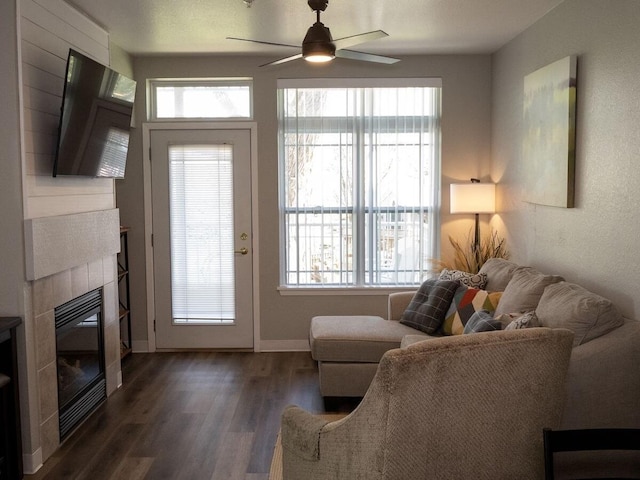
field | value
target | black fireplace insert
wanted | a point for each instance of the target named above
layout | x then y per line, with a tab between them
80	359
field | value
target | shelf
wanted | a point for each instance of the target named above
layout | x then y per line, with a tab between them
124	351
124	296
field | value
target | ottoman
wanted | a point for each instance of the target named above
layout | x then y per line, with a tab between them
349	348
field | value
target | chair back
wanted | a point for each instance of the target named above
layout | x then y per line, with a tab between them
473	406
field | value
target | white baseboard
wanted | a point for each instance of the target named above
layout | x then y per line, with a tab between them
31	463
284	346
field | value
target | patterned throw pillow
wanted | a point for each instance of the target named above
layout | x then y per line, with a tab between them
428	306
482	321
526	320
506	318
474	280
467	301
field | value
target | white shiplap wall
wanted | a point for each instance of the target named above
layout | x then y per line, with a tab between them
48	28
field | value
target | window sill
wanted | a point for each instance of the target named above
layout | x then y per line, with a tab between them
342	291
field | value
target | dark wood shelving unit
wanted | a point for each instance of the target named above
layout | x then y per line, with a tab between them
10	440
124	296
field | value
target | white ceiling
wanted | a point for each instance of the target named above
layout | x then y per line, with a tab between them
414	26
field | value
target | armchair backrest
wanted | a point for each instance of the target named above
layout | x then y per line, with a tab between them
472	406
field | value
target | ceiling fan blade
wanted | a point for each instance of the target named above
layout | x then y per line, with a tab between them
264	43
366	57
283	60
346	42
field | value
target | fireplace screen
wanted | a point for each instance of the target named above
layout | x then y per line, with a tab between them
80	358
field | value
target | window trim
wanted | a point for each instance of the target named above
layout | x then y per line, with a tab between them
152	83
356	289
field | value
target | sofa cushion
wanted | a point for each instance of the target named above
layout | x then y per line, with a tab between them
499	273
467	301
474	280
482	321
524	291
429	305
570	306
526	320
354	338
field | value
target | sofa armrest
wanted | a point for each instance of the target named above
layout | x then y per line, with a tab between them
398	303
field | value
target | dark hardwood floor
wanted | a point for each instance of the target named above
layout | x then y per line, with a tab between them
200	415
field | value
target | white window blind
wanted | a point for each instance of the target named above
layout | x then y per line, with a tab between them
359	183
201	216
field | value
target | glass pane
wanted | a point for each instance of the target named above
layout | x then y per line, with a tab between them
319	248
202	101
201	215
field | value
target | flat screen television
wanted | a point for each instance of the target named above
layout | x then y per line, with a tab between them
95	120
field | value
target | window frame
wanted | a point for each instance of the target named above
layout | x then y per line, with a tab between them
355	288
153	83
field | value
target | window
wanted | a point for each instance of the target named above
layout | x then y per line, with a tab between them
190	99
359	181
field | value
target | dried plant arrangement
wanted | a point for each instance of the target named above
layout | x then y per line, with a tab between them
468	258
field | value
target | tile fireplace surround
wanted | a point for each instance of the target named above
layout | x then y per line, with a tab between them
67	256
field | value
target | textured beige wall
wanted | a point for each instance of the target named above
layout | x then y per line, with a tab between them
465	153
596	243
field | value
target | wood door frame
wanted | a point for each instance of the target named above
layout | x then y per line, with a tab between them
147	128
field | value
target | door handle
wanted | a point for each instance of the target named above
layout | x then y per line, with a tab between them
242	251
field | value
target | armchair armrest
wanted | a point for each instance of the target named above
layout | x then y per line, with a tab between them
301	432
398	303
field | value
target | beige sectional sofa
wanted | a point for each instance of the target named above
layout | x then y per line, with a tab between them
603	386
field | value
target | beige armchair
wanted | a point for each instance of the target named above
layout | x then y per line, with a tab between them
463	407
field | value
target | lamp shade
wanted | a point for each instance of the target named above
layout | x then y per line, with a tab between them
473	198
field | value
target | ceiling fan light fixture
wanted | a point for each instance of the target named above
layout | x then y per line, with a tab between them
320	56
318	44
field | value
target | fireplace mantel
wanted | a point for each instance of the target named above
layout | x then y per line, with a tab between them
56	244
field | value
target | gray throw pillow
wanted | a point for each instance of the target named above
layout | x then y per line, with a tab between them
570	306
499	272
482	321
429	305
524	291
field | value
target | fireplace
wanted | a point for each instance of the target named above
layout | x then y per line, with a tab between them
79	359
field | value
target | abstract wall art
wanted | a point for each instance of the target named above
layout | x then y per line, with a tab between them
549	134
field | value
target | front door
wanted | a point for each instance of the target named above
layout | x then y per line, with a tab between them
201	190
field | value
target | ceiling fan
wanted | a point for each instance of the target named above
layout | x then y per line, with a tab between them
319	46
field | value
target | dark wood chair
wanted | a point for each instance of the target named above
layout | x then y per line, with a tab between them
598	439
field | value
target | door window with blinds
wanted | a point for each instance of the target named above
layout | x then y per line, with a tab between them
359	181
201	222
